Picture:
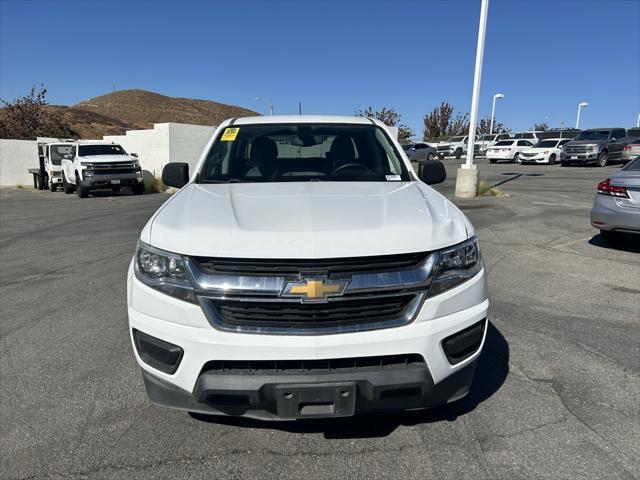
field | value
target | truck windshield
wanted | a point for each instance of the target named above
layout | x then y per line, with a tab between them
301	153
485	138
504	143
593	135
57	153
88	150
456	139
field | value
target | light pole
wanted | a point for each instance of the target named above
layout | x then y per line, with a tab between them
638	121
467	175
268	103
580	105
493	110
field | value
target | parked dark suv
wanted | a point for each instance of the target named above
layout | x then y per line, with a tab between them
596	145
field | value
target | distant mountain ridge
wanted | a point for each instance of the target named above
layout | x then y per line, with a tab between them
114	113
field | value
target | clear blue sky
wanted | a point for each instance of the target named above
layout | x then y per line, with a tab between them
335	57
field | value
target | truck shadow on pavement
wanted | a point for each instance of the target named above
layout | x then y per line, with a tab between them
491	372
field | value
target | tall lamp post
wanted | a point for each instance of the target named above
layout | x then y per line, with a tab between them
638	121
580	105
493	110
467	175
268	103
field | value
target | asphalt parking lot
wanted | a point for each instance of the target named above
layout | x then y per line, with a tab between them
556	393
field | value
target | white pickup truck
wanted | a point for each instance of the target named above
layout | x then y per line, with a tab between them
455	147
305	270
93	165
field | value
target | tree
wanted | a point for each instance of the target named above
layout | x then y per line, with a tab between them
484	126
389	117
29	117
540	127
440	123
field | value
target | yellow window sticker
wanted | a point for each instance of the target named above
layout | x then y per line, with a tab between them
230	134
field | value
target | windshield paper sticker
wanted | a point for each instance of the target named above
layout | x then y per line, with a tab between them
393	178
230	134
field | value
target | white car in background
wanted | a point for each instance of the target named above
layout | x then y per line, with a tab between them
508	150
545	151
488	140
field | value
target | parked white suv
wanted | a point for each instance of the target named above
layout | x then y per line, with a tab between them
98	165
304	270
508	150
455	146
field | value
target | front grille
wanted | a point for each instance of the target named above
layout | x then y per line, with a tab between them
252	367
342	313
577	149
528	155
279	267
442	148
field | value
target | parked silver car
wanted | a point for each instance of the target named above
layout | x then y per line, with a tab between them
631	151
421	151
616	206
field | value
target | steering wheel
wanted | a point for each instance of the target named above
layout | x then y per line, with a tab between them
352	165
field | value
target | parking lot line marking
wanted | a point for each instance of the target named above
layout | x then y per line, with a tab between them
562	205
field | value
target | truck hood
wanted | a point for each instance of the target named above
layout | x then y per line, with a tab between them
573	143
306	220
108	158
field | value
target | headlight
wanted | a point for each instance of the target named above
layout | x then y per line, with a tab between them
87	164
545	152
594	148
163	271
456	265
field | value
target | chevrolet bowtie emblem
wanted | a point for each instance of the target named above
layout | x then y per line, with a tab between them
314	289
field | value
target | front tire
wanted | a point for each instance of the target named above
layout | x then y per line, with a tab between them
53	187
430	156
138	189
492	160
441	156
458	153
66	186
552	159
516	157
83	192
602	159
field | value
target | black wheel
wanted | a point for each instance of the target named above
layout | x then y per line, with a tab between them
66	186
458	153
430	156
516	157
602	159
138	189
492	160
53	186
83	192
552	159
610	237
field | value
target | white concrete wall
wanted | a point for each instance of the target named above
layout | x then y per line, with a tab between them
186	142
164	143
16	156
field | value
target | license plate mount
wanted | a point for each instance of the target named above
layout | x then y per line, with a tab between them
317	400
115	182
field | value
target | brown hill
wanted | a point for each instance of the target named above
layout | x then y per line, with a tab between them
141	109
91	125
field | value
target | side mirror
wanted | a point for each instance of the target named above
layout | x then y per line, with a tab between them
431	172
175	174
134	155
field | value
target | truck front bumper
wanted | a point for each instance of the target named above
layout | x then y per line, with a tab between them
96	180
270	376
580	157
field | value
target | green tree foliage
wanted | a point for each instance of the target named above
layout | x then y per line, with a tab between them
389	117
29	117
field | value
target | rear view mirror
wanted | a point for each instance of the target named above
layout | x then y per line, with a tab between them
134	155
175	174
431	172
